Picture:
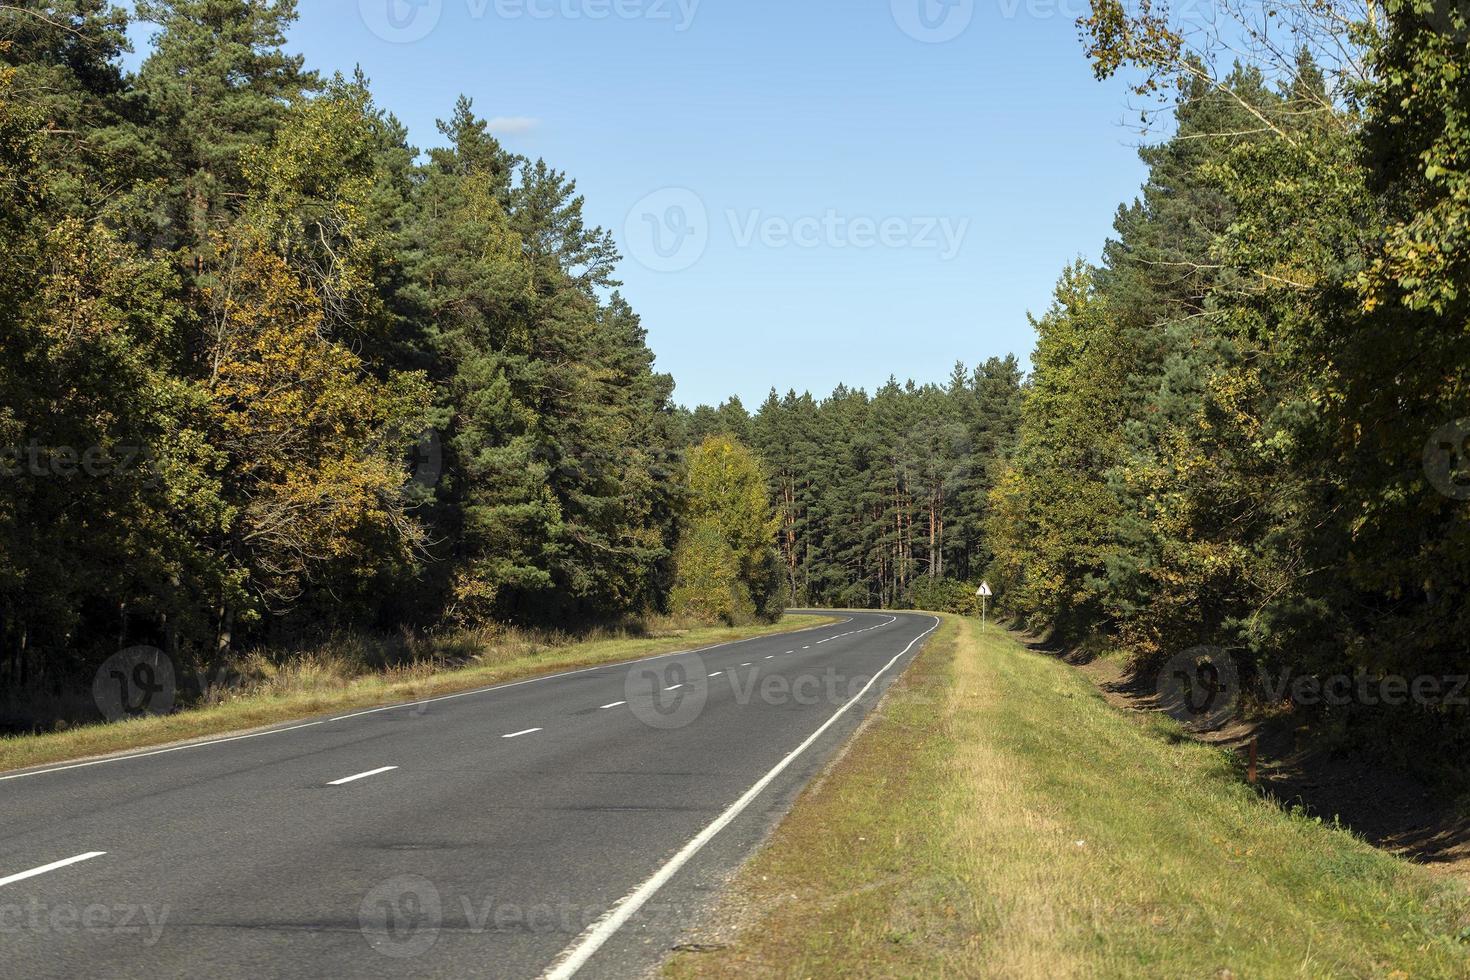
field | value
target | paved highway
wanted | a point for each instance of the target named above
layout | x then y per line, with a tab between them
576	824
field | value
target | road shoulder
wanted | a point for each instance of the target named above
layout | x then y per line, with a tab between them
999	818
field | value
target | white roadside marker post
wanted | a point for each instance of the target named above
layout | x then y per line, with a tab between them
984	593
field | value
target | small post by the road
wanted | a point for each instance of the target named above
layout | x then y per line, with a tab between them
984	593
1251	776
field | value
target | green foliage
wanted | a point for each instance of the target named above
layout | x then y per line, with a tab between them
708	586
318	384
311	191
246	304
1225	439
726	565
943	595
217	86
65	57
311	478
875	493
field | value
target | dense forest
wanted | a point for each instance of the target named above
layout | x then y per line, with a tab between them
881	498
1247	425
1247	428
268	372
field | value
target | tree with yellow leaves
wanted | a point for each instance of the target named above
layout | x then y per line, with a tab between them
726	565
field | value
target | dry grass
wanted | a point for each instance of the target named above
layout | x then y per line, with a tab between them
999	819
353	672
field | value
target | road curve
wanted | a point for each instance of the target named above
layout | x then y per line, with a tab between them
575	824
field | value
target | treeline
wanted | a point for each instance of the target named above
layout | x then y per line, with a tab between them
880	499
1247	425
266	371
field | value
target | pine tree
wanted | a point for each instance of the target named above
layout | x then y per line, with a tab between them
217	83
67	71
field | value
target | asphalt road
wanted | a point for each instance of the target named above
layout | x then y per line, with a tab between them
572	824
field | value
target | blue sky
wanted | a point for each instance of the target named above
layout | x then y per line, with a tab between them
807	192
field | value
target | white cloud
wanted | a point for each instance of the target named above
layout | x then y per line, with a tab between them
512	125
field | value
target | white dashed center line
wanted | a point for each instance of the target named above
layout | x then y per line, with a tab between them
673	687
746	664
717	673
575	956
23	875
518	734
614	704
361	775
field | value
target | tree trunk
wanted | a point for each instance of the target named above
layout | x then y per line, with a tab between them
225	637
933	537
939	549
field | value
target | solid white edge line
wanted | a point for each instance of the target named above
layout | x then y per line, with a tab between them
175	748
361	775
520	733
23	875
574	957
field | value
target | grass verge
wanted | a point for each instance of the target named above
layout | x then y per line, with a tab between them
998	818
316	683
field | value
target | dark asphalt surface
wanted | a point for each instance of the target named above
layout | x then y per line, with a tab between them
478	855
